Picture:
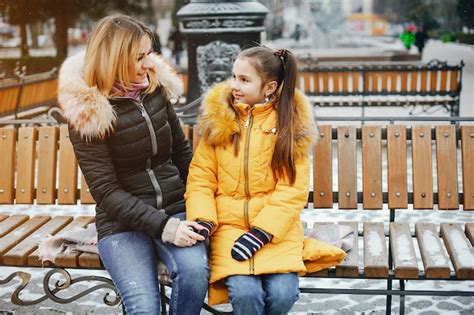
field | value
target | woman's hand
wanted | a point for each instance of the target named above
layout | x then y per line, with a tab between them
185	235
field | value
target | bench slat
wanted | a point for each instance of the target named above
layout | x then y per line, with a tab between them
403	81
67	186
20	233
196	137
414	78
47	152
63	260
86	197
454	81
384	86
322	169
7	164
422	168
434	257
424	81
324	82
375	250
89	260
324	272
350	265
397	167
18	255
467	151
3	217
470	232
433	80
443	87
26	165
11	222
372	167
446	156
186	131
403	252
459	250
347	167
9	99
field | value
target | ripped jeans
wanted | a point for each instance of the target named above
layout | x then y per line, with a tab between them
131	259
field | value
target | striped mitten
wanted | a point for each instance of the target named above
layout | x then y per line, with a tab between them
249	243
206	230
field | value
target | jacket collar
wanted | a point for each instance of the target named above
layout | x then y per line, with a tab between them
87	110
219	122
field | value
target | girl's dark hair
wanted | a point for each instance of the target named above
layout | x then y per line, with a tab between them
279	65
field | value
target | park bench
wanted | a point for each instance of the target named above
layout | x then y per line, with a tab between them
28	95
429	85
38	167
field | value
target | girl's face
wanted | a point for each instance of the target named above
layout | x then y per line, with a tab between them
138	70
247	86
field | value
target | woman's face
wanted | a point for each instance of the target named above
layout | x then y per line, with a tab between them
137	71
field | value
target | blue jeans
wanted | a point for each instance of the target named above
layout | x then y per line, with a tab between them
131	259
270	294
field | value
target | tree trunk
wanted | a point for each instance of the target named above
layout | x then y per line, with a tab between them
34	29
61	34
22	24
24	40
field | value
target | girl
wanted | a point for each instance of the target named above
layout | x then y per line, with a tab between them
248	182
134	157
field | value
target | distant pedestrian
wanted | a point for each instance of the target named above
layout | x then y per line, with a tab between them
420	39
156	43
175	41
297	33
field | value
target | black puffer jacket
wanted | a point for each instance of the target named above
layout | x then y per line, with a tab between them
134	155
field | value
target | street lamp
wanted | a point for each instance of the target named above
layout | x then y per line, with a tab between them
215	32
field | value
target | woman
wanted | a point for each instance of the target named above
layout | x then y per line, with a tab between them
134	156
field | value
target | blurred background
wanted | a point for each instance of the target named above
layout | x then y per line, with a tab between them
41	33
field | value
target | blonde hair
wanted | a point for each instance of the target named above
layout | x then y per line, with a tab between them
114	46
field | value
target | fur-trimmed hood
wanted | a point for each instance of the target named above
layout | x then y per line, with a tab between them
87	110
218	122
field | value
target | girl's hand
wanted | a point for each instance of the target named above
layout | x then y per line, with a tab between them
185	235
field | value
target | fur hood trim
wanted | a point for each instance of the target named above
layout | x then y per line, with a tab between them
87	110
218	121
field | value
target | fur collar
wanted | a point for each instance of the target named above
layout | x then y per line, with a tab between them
87	110
218	122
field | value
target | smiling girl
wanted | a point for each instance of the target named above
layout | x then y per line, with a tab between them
249	181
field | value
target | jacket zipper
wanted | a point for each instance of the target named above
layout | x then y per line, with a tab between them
154	147
248	125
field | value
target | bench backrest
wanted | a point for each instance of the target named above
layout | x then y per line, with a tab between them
37	164
28	92
433	78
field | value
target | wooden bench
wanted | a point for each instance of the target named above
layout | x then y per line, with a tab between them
391	84
28	96
38	167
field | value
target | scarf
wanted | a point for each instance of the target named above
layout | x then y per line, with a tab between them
132	91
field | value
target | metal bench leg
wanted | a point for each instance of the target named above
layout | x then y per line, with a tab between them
164	299
388	306
402	297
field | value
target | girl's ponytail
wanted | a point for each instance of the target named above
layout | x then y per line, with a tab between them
283	157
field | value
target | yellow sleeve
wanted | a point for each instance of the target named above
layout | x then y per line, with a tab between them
201	185
285	203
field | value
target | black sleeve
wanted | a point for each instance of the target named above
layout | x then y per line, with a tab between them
182	152
97	165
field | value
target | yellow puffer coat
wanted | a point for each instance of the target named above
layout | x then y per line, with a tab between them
236	192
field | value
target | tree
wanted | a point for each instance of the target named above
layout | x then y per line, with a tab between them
465	10
65	13
21	13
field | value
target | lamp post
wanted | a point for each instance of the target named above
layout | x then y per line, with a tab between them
215	32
